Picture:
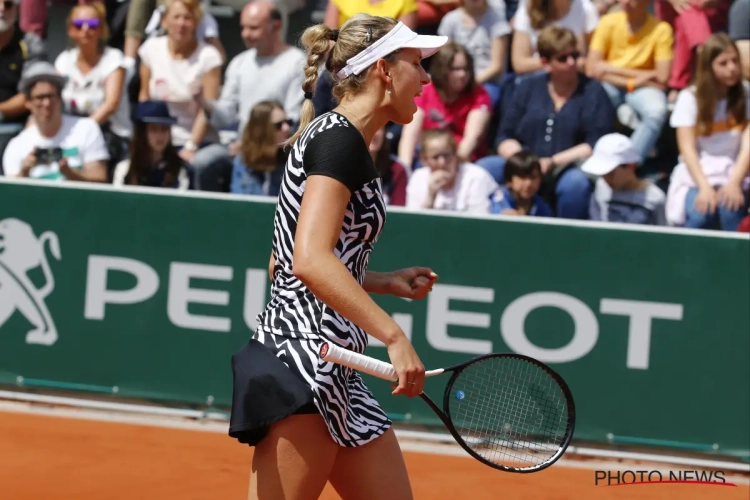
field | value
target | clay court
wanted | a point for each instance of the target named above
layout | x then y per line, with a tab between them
56	454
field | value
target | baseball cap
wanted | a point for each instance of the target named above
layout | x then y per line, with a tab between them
400	37
611	151
40	71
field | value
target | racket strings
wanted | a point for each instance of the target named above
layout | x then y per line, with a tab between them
510	412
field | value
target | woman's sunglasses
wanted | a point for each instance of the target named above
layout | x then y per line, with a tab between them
91	23
280	124
564	57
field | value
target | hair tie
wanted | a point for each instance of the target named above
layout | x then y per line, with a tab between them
369	34
335	35
308	95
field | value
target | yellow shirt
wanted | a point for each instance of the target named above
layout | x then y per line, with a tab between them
640	50
385	8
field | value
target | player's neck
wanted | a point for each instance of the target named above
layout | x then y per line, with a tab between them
364	115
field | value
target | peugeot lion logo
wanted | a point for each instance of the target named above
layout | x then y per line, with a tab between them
20	252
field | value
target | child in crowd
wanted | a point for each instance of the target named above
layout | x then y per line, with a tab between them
522	178
619	195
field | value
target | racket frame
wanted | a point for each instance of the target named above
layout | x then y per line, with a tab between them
380	369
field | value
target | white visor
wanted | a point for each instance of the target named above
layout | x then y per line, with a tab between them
400	37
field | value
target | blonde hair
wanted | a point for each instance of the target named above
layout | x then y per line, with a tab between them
193	6
101	15
353	37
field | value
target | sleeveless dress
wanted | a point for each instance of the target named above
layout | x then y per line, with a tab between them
279	372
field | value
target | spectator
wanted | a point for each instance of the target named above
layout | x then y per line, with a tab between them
17	50
451	101
483	31
269	70
634	69
173	67
96	78
619	195
54	146
739	31
340	11
532	16
707	186
259	167
523	178
692	21
392	172
447	183
153	161
558	116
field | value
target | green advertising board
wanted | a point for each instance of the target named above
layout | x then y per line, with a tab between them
150	292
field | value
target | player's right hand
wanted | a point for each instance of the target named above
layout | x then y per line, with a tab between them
408	366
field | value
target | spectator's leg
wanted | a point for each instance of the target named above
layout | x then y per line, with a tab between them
693	218
33	17
650	104
213	168
731	219
573	191
615	94
495	165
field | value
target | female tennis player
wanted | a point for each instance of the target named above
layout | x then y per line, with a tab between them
312	421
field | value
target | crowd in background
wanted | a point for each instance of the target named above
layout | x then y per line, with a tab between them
550	108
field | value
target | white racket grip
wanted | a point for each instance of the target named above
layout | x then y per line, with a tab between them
360	362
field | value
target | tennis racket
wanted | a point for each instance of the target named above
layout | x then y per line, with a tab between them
508	411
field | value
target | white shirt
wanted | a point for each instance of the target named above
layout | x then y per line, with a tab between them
83	94
171	81
470	192
581	19
81	140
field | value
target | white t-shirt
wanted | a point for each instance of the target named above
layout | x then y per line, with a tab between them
81	141
171	81
581	19
724	142
470	193
83	94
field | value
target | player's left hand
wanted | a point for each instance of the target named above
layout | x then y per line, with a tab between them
412	282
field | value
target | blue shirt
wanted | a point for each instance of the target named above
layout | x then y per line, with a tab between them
503	199
531	119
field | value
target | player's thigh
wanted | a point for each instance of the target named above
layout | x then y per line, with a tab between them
293	461
375	471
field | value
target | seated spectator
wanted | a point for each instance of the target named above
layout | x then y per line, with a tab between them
340	11
445	182
707	186
692	23
96	78
532	16
523	178
739	31
392	172
17	50
259	167
269	70
153	161
619	195
54	146
634	68
484	32
173	67
453	101
558	116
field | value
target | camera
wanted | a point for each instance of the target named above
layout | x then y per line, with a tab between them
45	156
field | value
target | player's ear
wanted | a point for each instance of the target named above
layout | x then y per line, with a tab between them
383	72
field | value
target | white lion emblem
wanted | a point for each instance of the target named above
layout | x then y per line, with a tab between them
20	252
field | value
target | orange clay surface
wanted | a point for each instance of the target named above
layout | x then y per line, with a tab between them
55	458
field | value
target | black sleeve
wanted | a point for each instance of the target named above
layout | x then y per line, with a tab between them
341	153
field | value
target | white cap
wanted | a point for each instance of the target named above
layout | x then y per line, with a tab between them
611	151
400	37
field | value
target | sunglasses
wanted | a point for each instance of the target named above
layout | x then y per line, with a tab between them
280	124
91	23
564	57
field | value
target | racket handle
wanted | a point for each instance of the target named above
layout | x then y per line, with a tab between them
360	362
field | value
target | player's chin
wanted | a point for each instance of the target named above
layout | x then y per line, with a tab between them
405	114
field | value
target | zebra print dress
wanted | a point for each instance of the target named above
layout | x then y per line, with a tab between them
295	322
